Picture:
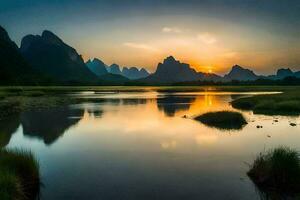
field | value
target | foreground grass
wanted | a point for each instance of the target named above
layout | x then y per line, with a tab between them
277	171
19	175
287	103
223	119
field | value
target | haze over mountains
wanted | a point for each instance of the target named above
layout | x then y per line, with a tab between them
46	58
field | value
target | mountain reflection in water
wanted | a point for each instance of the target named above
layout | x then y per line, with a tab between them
136	146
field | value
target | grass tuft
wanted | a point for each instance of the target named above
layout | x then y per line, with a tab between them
287	103
10	187
19	175
223	120
277	170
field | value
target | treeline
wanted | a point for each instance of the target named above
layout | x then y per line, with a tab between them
286	81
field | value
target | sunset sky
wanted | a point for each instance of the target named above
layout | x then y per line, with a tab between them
211	35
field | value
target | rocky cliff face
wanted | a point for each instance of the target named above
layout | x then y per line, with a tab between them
49	54
134	73
14	70
97	66
171	71
241	74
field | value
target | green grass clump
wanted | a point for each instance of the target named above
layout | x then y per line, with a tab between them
223	119
277	170
287	103
10	187
19	175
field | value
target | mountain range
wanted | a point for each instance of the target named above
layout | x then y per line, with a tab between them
172	70
49	54
47	58
100	68
14	69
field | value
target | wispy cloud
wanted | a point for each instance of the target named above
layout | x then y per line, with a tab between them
207	38
229	54
171	30
140	46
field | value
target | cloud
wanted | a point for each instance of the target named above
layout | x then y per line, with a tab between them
207	38
171	30
229	55
140	46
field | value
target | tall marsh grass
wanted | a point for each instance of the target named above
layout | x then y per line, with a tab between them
19	175
277	170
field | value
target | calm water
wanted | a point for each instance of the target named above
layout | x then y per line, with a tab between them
139	146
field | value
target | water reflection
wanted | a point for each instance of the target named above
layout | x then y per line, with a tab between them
138	146
170	104
97	113
132	101
7	127
49	125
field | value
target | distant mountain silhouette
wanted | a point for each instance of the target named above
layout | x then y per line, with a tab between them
49	54
46	59
241	74
284	73
114	69
97	66
14	70
134	73
171	71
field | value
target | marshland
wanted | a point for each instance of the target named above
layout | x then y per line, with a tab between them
123	132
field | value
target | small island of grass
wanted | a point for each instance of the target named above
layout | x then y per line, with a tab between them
19	175
287	103
277	171
223	120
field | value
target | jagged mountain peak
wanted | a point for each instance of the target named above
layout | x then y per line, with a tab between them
172	70
237	67
97	67
4	34
240	73
51	37
114	65
114	69
96	60
170	59
49	54
134	73
283	72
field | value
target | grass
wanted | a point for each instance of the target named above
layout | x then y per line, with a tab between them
14	99
277	170
223	120
287	103
19	175
10	187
